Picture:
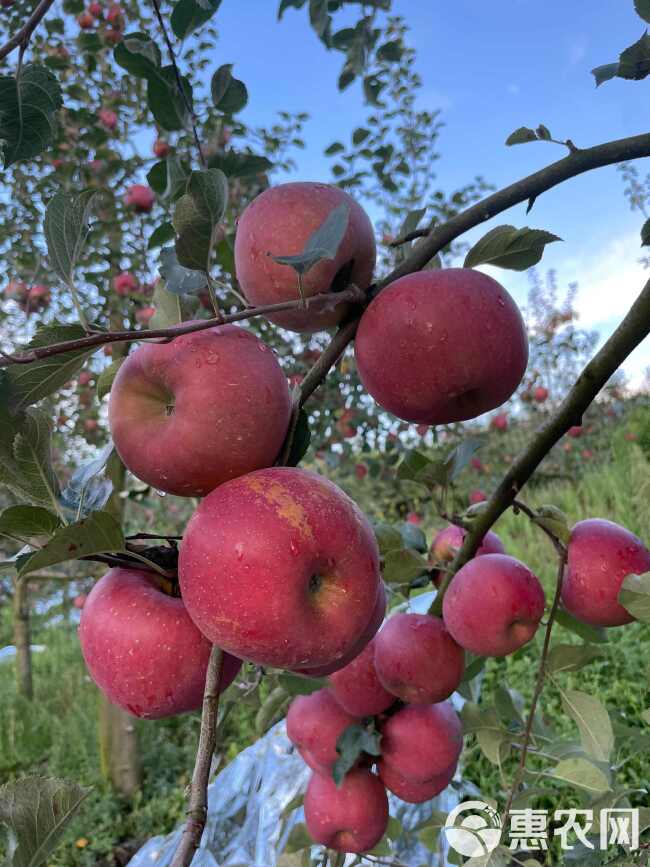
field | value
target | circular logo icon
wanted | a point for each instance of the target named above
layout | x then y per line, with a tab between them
473	828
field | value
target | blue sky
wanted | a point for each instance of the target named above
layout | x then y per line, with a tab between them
490	68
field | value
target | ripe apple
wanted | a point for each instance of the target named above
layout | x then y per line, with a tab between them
422	741
360	471
280	567
493	605
456	342
477	464
350	818
477	496
85	20
85	377
314	724
96	10
7	3
575	431
107	118
540	394
414	518
140	197
80	600
125	283
141	648
411	791
144	314
206	407
448	542
113	36
278	223
499	422
161	148
115	13
587	454
91	425
600	555
417	660
357	688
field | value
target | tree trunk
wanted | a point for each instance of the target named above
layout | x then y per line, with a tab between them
22	640
119	748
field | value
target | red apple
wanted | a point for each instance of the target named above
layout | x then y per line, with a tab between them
360	471
540	394
279	222
107	118
449	540
144	314
96	10
7	3
80	600
140	198
630	437
422	741
477	496
499	422
142	649
91	425
113	36
587	454
456	342
417	660
410	791
357	688
422	429
125	283
115	13
85	20
600	555
85	377
280	567
575	431
477	464
314	724
414	518
161	148
493	605
206	407
350	818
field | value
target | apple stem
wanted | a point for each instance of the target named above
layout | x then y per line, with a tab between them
197	803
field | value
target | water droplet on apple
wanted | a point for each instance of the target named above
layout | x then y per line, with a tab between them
239	551
212	358
294	548
501	301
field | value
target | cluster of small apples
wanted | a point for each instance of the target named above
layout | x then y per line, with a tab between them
30	299
111	24
127	285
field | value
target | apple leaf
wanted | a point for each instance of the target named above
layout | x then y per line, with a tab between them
642	8
295	684
523	135
351	745
593	721
272	709
36	811
413	537
28	521
99	533
582	773
138	54
634	62
634	596
388	538
300	440
605	73
594	634
508	247
27	107
106	377
179	280
417	467
645	234
402	566
229	94
321	244
571	657
168	308
289	4
31	480
197	217
188	15
239	164
459	457
66	224
168	106
88	490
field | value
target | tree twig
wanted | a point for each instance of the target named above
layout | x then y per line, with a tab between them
539	686
22	37
197	807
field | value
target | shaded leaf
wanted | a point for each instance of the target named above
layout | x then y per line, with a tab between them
33	459
106	377
28	521
229	94
188	15
555	521
161	236
138	54
178	279
582	773
321	244
508	247
645	234
593	721
294	684
521	136
16	476
66	224
27	107
605	73
594	634
240	164
642	8
634	596
168	308
388	538
300	441
571	657
634	62
401	566
413	537
351	745
164	99
460	456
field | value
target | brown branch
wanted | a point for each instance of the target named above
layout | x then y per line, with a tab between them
634	328
353	294
22	37
539	686
197	806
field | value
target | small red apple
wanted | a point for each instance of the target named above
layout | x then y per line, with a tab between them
540	394
499	422
107	118
96	10
91	425
144	314
575	431
113	36
477	496
115	13
422	741
360	471
125	283
85	20
587	454
477	464
85	377
414	518
449	540
357	688
140	197
161	148
80	600
314	724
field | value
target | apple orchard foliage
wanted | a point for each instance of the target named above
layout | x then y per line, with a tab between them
138	198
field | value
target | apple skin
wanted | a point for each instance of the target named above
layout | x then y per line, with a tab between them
417	660
80	600
161	148
477	496
600	555
231	409
107	118
493	605
421	741
456	342
125	283
140	197
141	648
540	394
314	724
357	688
448	542
280	567
499	422
410	791
279	222
575	432
349	818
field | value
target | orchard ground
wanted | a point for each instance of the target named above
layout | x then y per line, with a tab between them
57	733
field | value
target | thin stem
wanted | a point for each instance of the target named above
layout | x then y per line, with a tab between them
23	36
539	686
197	807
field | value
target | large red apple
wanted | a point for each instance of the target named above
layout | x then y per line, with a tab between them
280	567
493	605
279	222
206	407
352	817
600	555
441	346
141	648
410	791
417	660
357	688
422	741
448	542
314	724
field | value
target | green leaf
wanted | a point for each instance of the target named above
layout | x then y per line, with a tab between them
27	107
391	51
571	657
66	223
240	164
634	62
417	467
460	456
521	136
99	533
594	634
351	745
645	234
197	218
138	54
26	384
605	73
28	521
289	4
543	133
17	476
593	721
179	280
300	441
229	94
298	839
413	537
272	709
555	521
88	490
582	773
322	244
402	566
106	377
388	538
37	810
165	100
335	148
161	236
508	247
634	596
189	15
359	135
33	459
643	9
168	308
294	684
645	716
